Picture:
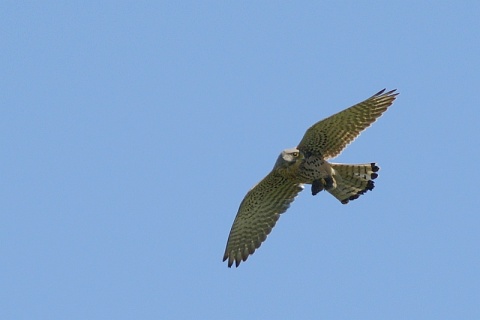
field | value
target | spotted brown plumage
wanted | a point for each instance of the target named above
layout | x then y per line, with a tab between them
330	136
258	213
306	164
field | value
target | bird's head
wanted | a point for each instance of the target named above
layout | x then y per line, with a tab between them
287	158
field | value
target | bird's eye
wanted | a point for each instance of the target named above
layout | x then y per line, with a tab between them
295	154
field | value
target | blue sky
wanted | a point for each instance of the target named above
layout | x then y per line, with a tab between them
130	132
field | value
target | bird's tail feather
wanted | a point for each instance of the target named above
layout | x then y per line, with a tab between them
353	180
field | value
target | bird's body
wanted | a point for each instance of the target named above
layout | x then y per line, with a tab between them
315	168
307	164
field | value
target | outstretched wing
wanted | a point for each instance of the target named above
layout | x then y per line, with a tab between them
330	136
257	215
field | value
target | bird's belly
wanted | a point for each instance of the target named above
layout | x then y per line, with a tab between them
314	168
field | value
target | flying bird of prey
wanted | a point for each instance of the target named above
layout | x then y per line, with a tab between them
307	164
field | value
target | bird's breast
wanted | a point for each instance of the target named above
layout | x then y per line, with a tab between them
314	168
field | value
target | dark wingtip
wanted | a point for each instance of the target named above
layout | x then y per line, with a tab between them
229	262
225	257
391	93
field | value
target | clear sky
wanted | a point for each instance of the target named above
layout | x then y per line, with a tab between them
130	132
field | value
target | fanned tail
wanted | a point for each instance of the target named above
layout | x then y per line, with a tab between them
353	180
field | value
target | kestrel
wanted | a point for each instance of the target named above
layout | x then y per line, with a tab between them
306	164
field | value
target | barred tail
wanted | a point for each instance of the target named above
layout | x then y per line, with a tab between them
353	180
